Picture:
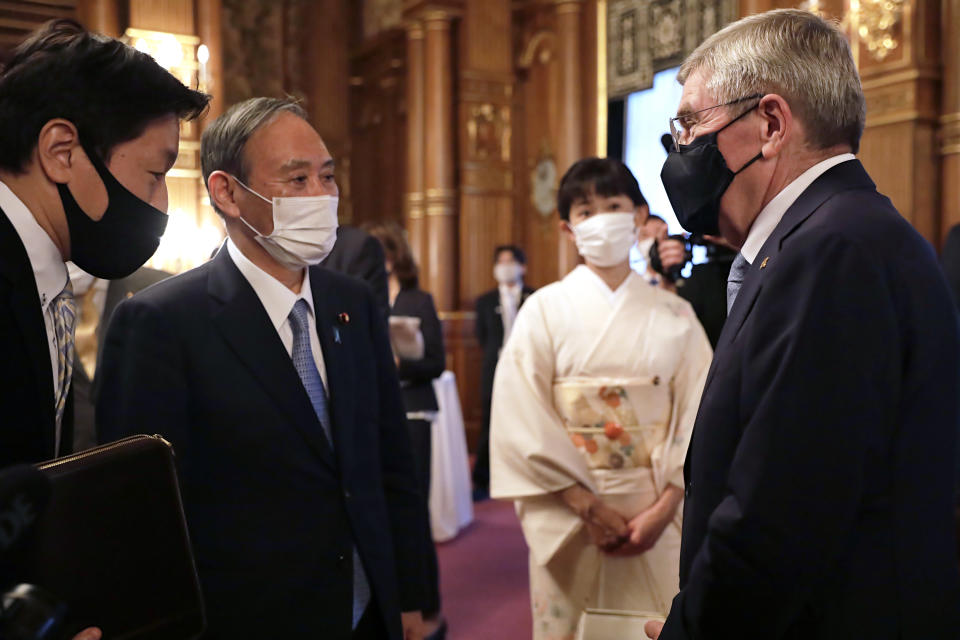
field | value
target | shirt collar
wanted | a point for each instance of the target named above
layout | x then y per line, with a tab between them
512	289
49	270
275	297
771	214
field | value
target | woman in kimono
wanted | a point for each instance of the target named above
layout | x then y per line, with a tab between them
594	400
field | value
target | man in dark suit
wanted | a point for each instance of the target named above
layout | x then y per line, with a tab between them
90	127
274	381
496	311
96	301
358	254
819	480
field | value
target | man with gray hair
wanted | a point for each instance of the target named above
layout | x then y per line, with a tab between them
274	381
819	480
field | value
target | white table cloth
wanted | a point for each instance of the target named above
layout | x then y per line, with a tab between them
451	505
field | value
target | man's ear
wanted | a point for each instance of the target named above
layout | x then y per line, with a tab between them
777	124
222	194
567	230
58	146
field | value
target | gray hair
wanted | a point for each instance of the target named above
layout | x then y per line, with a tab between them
795	54
223	142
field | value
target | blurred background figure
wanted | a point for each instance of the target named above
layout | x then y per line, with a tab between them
358	254
496	311
408	301
96	300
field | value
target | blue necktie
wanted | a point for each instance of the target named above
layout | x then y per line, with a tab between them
306	367
738	270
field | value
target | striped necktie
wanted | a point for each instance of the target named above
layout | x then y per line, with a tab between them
306	367
738	270
64	308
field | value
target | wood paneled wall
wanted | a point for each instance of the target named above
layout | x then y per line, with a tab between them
378	129
556	111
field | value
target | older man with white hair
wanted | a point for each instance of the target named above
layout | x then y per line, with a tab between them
819	480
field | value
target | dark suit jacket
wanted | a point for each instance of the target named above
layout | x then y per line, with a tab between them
950	259
416	376
358	254
820	475
273	511
84	389
489	329
27	415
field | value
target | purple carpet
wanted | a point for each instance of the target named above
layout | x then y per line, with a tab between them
483	577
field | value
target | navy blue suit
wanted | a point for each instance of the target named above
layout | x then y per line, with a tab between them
273	511
819	480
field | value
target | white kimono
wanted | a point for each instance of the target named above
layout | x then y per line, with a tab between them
600	388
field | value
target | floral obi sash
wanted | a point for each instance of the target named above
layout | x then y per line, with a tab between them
615	423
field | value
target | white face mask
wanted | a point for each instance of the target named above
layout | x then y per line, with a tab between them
304	229
507	273
605	239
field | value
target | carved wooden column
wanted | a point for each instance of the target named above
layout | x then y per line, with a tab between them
949	147
903	109
102	16
569	137
485	134
209	14
414	214
440	203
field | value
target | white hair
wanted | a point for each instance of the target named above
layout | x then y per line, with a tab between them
795	54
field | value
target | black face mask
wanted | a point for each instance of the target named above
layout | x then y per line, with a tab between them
695	178
123	239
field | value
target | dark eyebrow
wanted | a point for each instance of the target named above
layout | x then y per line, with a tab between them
293	165
684	110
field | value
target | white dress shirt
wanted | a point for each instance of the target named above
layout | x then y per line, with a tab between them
49	271
771	214
278	302
509	304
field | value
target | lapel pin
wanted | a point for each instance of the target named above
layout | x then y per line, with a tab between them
764	263
343	318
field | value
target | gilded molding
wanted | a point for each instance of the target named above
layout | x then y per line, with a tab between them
949	134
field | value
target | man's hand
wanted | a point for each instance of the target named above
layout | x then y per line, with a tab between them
91	633
412	623
672	253
653	629
606	526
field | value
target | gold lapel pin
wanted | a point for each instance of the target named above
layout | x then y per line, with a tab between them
764	263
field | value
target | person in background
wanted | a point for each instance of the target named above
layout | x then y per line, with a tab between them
496	311
273	379
96	301
407	300
593	405
356	253
651	230
820	479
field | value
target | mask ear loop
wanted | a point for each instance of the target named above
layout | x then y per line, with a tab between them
759	156
270	202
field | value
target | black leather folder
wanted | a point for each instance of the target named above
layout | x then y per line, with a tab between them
113	543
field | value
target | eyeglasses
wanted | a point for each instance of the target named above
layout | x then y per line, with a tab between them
681	126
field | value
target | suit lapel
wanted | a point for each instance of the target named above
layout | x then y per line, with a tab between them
336	336
844	176
245	325
25	303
